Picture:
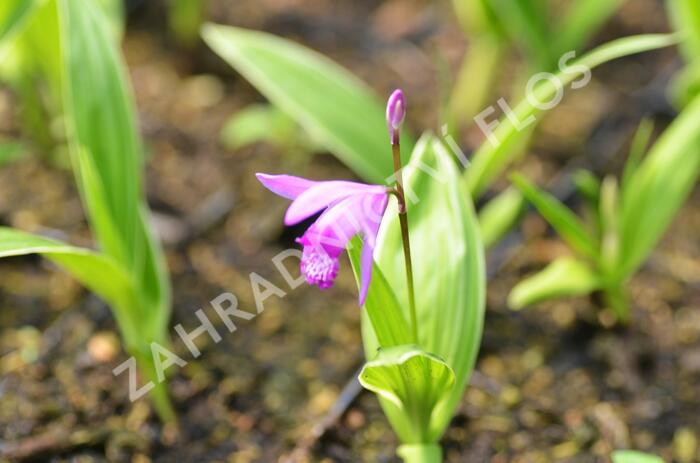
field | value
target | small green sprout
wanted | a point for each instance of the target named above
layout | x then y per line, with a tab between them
629	217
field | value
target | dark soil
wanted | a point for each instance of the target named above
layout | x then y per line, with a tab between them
554	383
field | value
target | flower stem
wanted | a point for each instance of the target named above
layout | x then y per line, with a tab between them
403	219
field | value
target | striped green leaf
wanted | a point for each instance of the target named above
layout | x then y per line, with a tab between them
337	109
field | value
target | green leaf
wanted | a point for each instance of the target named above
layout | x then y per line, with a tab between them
492	159
500	215
264	123
99	273
185	17
13	15
559	217
639	146
658	188
685	16
29	64
478	19
582	20
448	263
685	85
107	152
525	21
588	186
329	102
414	381
33	56
107	157
563	277
610	226
114	12
631	456
381	308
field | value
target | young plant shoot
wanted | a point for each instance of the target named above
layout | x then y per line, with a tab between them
630	215
629	219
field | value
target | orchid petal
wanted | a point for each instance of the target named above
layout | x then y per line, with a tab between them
348	217
286	186
323	195
373	217
370	229
341	221
366	262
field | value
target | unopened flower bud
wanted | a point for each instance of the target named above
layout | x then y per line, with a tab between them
395	114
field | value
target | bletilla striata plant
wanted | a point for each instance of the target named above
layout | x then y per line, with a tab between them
423	310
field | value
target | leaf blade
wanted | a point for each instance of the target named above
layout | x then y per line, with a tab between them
565	222
381	307
107	153
330	103
658	188
563	277
99	273
414	381
491	159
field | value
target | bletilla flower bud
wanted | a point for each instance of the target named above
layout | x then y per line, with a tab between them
395	114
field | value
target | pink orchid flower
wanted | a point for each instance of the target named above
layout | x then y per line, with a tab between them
349	209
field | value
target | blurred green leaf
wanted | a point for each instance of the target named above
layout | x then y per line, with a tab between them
639	146
563	277
13	14
492	159
685	86
115	14
631	456
588	186
478	18
526	22
97	272
105	144
582	20
500	215
685	16
106	151
610	225
264	123
559	217
655	192
414	381
30	65
185	18
255	124
35	55
448	263
336	108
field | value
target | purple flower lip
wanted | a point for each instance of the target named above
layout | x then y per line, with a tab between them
349	208
395	114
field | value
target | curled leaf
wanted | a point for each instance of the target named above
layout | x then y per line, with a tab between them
413	380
